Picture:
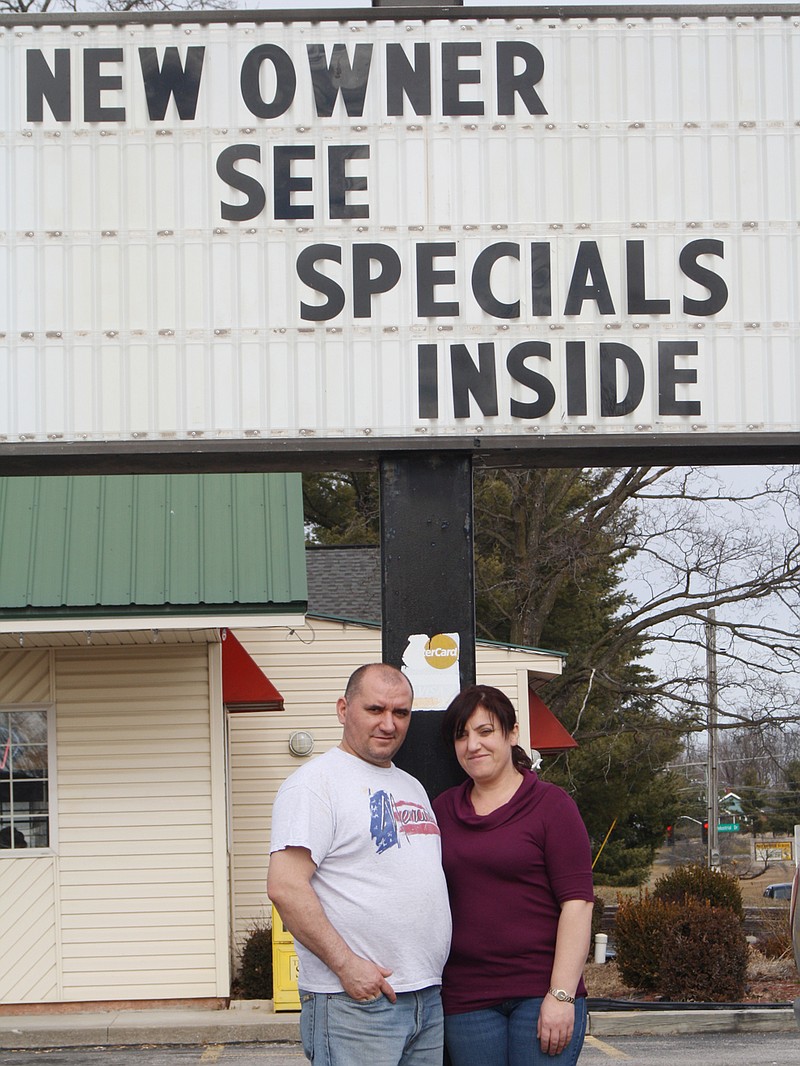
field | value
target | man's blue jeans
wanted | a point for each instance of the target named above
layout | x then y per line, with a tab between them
505	1035
339	1031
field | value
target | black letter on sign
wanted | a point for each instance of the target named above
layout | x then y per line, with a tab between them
364	285
402	78
576	378
541	299
428	279
638	304
669	376
172	80
94	83
428	385
339	184
481	280
328	80
286	184
610	355
588	264
531	379
717	289
453	77
509	83
310	276
285	81
54	86
253	190
479	381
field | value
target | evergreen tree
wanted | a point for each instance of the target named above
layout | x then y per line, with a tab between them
342	508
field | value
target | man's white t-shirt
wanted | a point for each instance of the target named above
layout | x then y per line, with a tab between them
375	842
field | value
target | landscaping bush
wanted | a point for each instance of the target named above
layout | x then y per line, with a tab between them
255	974
775	945
699	883
775	935
639	931
704	956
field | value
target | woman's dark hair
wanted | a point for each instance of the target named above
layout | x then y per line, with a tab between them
497	703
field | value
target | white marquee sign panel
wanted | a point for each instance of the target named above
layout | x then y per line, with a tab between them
399	230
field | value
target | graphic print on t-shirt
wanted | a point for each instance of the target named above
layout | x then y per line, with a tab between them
389	818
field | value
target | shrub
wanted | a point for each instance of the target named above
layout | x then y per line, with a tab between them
255	974
775	934
704	956
699	883
776	945
639	931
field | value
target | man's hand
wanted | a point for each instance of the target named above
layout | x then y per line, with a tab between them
364	980
289	888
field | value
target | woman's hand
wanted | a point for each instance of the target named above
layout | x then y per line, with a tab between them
556	1022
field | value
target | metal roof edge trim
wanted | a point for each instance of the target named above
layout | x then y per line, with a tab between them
343	620
400	14
148	610
131	623
524	647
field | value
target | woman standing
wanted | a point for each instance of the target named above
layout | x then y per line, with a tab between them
518	864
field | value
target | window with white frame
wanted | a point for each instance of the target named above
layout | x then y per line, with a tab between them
24	779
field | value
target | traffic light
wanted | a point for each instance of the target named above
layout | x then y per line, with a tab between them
671	835
705	832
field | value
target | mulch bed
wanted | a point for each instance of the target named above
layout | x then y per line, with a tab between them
769	981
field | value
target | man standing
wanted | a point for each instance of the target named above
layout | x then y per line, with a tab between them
355	872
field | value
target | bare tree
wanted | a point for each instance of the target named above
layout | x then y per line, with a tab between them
684	542
41	7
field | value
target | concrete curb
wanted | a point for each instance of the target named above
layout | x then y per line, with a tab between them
676	1022
119	1028
259	1024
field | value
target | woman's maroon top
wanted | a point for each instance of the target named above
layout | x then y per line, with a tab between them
507	874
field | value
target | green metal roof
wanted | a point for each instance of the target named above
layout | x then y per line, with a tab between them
151	543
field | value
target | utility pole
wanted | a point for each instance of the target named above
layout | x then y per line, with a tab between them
712	769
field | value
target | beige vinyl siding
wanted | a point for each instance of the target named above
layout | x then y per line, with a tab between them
309	667
25	677
29	944
29	971
137	844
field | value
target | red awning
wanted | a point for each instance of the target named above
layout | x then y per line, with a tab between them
547	733
245	686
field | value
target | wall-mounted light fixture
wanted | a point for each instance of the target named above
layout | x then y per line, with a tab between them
301	743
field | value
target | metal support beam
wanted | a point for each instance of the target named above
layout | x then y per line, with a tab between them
428	585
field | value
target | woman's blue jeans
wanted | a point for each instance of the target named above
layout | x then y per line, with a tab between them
505	1035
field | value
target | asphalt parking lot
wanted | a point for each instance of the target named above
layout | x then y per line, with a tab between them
694	1049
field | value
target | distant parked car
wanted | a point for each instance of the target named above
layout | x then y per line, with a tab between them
783	890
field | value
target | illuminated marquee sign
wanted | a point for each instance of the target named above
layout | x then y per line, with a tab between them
391	232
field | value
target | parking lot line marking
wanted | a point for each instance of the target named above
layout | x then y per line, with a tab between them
607	1049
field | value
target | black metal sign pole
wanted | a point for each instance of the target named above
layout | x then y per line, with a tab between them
428	581
428	585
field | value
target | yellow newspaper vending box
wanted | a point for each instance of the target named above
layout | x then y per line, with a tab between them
284	967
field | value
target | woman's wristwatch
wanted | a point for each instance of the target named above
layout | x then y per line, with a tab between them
561	995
